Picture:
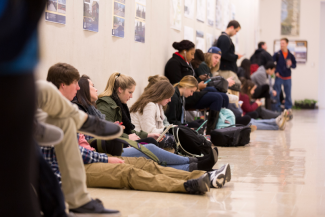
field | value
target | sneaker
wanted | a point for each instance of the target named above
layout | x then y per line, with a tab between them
100	129
198	186
94	208
290	115
220	177
233	98
46	134
282	119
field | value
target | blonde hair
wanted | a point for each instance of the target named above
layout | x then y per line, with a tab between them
187	81
157	92
154	79
115	81
208	61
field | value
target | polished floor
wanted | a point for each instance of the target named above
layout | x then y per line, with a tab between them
280	173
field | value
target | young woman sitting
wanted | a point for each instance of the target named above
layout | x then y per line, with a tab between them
86	99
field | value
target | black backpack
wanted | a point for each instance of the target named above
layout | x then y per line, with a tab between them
190	143
219	83
232	136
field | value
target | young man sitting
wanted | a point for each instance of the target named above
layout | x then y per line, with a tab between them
56	109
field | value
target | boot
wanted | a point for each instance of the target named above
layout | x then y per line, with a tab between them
212	121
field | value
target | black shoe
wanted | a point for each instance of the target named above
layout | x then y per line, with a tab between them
94	208
100	129
209	162
220	176
212	121
198	186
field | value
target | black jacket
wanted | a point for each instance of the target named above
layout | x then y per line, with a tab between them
261	57
228	57
81	107
174	109
175	69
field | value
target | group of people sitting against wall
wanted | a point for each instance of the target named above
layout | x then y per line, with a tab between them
122	147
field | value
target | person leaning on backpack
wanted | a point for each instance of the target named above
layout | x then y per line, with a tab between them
228	66
285	61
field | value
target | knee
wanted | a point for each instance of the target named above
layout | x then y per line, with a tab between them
151	147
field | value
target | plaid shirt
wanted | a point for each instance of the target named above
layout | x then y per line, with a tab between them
88	157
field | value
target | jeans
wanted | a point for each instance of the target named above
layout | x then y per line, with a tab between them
287	90
263	113
172	160
211	100
244	120
224	96
265	124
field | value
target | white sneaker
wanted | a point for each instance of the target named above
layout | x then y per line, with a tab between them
282	119
233	98
221	176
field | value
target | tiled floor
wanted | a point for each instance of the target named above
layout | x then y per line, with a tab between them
280	173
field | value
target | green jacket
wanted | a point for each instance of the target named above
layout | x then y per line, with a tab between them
113	112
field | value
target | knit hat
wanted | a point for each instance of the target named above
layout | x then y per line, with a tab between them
215	50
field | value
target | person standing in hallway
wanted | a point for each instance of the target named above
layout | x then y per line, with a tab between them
285	62
261	57
228	66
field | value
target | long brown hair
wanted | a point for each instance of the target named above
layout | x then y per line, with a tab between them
83	95
154	79
156	93
247	86
115	81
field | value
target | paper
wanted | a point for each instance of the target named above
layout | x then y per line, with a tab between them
188	33
210	12
175	14
218	13
91	15
200	10
200	43
209	40
189	8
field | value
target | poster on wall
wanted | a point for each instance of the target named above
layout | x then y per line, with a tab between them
189	7
290	17
232	12
218	20
209	40
118	18
91	15
200	43
189	33
176	14
55	11
297	48
140	18
226	13
200	10
210	12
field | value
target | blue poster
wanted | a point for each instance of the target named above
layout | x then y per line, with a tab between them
55	11
91	15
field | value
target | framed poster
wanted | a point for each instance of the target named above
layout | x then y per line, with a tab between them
91	15
298	48
55	11
140	18
118	18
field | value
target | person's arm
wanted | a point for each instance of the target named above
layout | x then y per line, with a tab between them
247	106
224	45
294	62
89	157
171	112
147	120
142	134
107	110
267	57
173	72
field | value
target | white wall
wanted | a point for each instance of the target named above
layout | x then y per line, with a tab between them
99	54
305	79
321	91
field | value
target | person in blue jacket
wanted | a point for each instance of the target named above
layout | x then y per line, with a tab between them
285	61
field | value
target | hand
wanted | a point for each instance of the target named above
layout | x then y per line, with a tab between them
239	56
277	74
259	103
118	123
204	77
274	93
155	136
289	63
134	137
202	85
231	81
115	160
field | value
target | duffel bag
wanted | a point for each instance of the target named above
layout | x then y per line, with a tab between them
219	83
232	136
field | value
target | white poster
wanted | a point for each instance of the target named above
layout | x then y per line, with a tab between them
233	12
209	40
210	11
219	22
140	21
200	10
189	33
175	14
226	14
200	43
189	7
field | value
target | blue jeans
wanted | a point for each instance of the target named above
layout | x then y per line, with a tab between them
224	96
211	100
269	124
172	160
287	90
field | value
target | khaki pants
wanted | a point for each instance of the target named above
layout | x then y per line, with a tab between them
57	110
228	74
139	174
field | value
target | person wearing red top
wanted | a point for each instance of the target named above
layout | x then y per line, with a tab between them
253	109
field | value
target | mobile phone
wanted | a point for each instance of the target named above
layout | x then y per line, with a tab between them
207	81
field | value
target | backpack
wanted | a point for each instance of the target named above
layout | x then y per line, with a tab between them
232	136
226	119
215	43
235	87
219	83
190	143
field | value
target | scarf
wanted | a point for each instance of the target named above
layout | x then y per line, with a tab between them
93	111
126	117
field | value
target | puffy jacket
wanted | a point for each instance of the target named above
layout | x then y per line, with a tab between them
261	57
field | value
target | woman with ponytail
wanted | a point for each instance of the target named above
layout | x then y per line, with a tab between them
112	103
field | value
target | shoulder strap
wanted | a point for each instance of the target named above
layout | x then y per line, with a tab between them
178	144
